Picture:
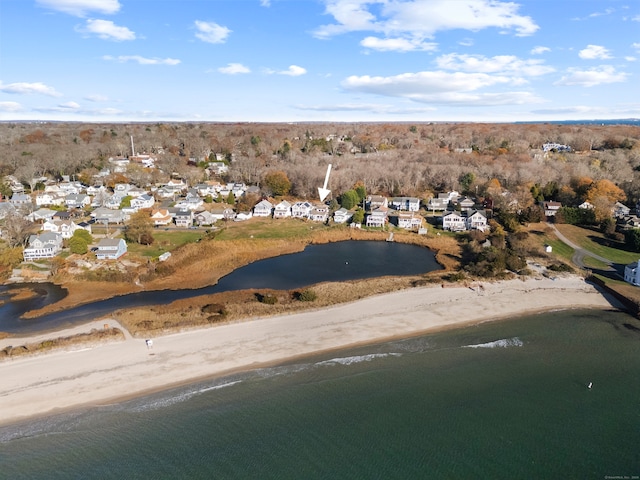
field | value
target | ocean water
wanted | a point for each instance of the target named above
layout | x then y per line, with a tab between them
503	400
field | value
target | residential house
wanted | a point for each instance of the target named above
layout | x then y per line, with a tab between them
377	217
183	218
342	215
64	228
114	201
161	217
46	199
19	199
301	209
454	221
111	249
442	200
41	215
476	220
620	210
242	216
263	209
410	204
586	205
107	215
551	208
408	220
217	168
191	202
465	204
205	218
77	200
632	273
319	213
282	210
222	212
143	201
376	201
44	245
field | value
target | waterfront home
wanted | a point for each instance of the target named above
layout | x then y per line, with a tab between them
454	222
319	213
282	210
111	249
410	204
377	218
301	209
44	245
263	209
409	220
342	215
465	204
476	220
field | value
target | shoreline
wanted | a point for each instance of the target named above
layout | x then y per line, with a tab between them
51	383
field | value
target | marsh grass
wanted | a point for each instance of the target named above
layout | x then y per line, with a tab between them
93	337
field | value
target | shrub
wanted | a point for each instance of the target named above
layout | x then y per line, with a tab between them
307	295
268	299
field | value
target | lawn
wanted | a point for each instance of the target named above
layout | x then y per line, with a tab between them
165	241
269	228
595	242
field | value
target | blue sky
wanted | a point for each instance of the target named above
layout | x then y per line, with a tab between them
319	60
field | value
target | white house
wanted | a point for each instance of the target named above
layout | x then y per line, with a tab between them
476	220
319	213
77	200
410	204
376	201
41	215
263	209
377	217
409	221
282	210
183	218
620	210
143	201
111	249
342	215
454	221
49	198
301	209
161	217
632	273
64	228
551	208
45	245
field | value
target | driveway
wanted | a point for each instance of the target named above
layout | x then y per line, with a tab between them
580	253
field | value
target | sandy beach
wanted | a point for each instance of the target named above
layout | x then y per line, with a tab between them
101	374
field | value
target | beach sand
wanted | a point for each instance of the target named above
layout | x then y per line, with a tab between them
100	374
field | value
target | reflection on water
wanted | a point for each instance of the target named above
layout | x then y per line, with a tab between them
331	262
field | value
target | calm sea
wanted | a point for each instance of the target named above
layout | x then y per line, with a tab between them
505	400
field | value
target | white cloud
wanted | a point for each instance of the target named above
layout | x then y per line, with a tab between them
594	76
466	42
81	8
630	59
421	19
23	88
106	30
211	32
439	87
10	107
234	68
364	107
397	44
69	106
539	50
636	46
96	98
594	52
142	60
265	3
505	64
292	71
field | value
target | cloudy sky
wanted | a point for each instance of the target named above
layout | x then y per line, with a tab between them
319	60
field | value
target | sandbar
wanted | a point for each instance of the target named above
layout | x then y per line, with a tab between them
47	383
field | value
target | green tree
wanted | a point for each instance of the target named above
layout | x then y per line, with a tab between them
466	180
139	229
84	234
632	239
349	199
278	182
125	202
358	216
361	191
5	190
78	245
231	199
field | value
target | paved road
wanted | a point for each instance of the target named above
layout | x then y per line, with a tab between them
580	253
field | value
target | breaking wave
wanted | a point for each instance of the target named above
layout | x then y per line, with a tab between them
504	343
356	359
